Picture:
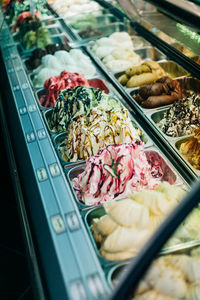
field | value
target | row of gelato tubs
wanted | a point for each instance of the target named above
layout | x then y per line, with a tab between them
149	53
73	169
53	29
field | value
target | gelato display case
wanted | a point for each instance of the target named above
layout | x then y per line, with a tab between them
101	115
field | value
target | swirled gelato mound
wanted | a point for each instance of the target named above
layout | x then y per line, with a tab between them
78	101
182	118
128	223
115	172
191	150
100	128
116	51
73	61
58	83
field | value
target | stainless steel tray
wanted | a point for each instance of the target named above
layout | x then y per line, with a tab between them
156	116
150	53
170	174
173	69
141	47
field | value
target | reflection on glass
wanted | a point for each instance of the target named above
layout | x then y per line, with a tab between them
184	38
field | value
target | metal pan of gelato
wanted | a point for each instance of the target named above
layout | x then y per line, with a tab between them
73	61
189	148
109	171
115	52
149	72
120	228
180	119
164	92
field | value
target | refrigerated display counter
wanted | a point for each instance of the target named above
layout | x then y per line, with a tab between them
44	131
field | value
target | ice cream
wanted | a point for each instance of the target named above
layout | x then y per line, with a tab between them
74	7
191	150
116	51
115	172
72	61
121	59
35	59
128	223
83	21
100	128
182	118
15	8
118	40
90	32
32	33
27	24
78	101
145	73
171	277
55	84
21	19
163	92
36	39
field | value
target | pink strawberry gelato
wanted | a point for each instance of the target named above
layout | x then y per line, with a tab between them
115	172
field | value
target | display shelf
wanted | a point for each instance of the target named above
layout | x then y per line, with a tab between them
67	257
55	218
